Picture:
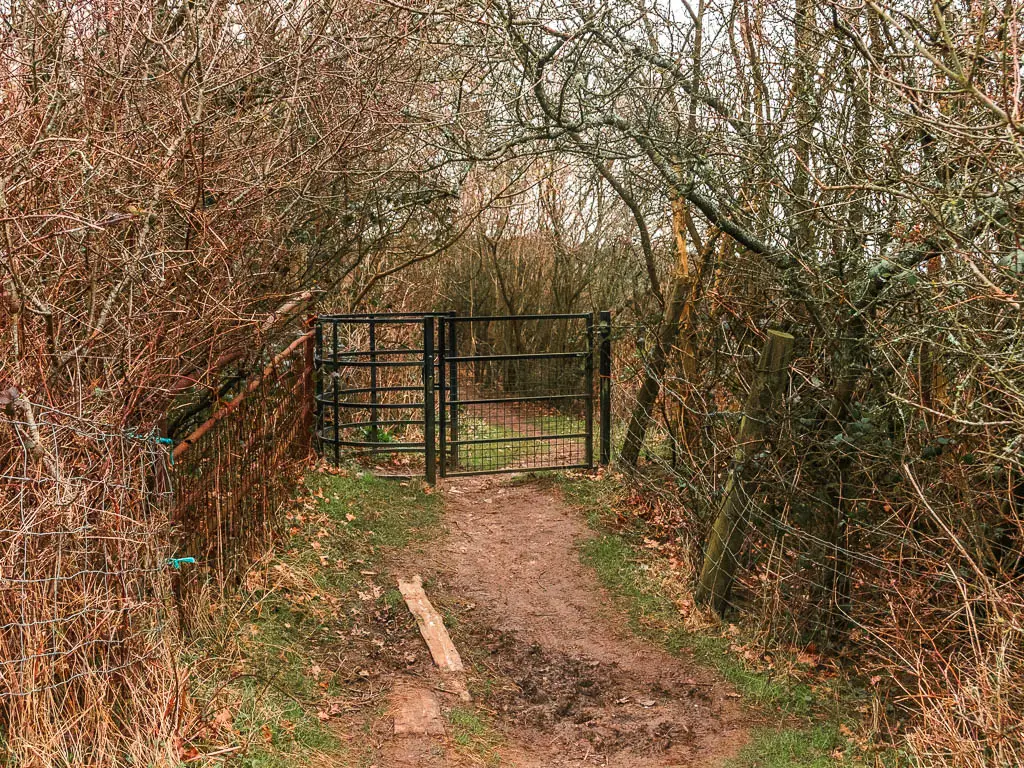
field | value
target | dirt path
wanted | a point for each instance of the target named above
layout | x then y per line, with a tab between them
565	681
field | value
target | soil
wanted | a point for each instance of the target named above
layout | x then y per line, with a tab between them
552	661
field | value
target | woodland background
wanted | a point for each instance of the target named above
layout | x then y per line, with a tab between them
182	183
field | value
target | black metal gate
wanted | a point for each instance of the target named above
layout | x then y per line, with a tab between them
471	395
523	395
374	394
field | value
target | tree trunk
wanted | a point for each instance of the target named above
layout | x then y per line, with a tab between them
648	395
729	527
675	307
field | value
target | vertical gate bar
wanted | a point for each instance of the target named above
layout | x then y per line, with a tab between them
373	381
605	375
428	399
335	377
318	357
454	378
588	403
442	359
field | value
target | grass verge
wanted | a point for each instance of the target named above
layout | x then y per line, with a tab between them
810	734
300	645
487	456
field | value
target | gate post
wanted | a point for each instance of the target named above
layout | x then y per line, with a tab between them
588	403
335	379
309	395
442	407
604	372
428	400
318	385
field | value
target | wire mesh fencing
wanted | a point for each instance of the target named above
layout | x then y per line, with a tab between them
888	543
520	393
238	470
108	541
86	674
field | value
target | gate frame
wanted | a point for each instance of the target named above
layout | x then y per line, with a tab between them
332	359
441	390
450	360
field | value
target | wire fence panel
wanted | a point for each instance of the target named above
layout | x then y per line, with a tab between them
881	543
94	523
232	483
84	591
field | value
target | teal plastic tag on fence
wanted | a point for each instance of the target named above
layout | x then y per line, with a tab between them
177	561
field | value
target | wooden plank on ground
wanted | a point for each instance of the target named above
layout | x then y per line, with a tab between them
443	650
416	712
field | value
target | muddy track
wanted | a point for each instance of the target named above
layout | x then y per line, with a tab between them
553	659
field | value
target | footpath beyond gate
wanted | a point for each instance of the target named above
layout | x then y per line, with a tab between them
471	395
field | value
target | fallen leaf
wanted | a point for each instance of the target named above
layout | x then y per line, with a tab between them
223	719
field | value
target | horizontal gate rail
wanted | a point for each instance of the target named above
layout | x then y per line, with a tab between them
368	406
538	356
524	399
342	363
391	447
516	470
368	390
361	353
382	423
515	318
383	317
520	439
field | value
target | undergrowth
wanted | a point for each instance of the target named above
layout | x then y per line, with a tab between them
812	731
298	648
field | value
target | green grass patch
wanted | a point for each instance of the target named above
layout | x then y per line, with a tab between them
558	424
809	747
811	735
471	732
276	645
487	457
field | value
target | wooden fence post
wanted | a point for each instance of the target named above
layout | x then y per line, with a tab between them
728	531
